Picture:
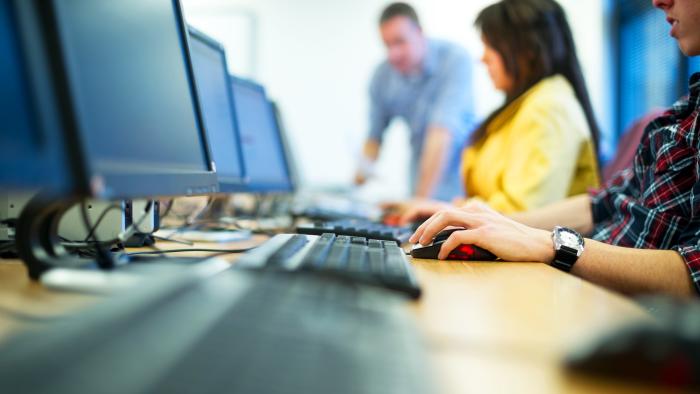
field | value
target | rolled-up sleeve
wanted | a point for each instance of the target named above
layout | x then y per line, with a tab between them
604	201
689	243
454	105
379	116
691	256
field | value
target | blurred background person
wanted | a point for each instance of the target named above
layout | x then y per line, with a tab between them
540	146
427	83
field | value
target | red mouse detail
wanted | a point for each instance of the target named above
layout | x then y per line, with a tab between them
463	252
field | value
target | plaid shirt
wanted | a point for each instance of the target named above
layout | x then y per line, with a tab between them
655	204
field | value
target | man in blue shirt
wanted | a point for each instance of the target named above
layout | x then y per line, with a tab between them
427	83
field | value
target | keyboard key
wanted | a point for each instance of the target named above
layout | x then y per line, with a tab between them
319	251
287	250
339	253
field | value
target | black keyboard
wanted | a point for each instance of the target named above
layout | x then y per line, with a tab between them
375	262
230	331
316	213
358	228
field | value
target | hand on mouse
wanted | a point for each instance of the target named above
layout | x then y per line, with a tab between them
488	229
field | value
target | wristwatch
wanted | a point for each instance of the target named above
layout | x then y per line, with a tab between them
568	247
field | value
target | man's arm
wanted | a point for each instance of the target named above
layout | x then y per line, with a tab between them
370	154
446	122
433	160
623	269
574	212
634	271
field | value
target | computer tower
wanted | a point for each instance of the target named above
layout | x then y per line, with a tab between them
72	226
11	205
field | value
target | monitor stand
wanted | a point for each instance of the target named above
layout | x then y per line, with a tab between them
38	243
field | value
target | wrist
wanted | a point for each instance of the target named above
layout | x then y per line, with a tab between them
545	250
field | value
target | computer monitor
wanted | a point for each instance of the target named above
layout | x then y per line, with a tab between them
32	150
131	96
216	104
263	150
129	109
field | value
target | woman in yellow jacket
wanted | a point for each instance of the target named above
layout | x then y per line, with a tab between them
540	146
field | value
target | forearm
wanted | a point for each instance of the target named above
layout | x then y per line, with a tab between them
433	160
634	271
371	150
574	212
370	154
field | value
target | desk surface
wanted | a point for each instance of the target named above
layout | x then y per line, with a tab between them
490	327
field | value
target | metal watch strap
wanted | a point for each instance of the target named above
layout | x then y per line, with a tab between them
565	258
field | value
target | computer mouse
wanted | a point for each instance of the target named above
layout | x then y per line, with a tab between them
462	252
665	352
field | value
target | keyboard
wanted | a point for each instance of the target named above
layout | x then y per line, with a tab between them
358	228
320	213
230	331
375	262
333	207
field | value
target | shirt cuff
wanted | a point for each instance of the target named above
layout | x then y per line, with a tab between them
691	256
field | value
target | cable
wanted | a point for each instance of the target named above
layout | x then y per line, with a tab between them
216	251
210	202
175	240
135	224
104	259
169	209
129	231
102	216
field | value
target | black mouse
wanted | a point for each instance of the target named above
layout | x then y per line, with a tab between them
462	252
665	352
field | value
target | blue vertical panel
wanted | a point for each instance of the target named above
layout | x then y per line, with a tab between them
650	73
693	65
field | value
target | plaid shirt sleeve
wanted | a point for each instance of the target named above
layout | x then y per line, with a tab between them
603	200
689	243
655	204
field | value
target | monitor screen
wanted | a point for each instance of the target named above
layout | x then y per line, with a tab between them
263	151
32	155
134	103
216	104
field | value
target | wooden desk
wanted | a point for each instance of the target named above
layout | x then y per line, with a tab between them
490	327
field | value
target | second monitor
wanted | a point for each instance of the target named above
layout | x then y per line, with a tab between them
263	148
216	102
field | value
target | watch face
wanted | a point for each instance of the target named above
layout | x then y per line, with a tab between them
569	239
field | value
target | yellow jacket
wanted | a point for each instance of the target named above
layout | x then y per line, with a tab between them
537	151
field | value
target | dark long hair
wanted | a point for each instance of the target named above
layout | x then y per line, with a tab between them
535	41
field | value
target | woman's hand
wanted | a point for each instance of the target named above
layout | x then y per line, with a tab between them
486	228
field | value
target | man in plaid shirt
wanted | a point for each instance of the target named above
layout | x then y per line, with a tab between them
644	224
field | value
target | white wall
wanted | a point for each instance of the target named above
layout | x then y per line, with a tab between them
316	56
